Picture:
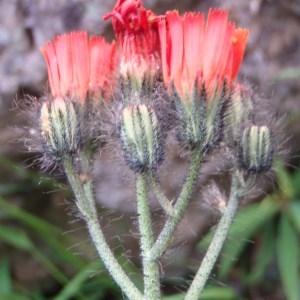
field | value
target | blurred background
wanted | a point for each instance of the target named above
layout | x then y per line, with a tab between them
45	252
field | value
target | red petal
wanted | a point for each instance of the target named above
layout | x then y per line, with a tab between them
103	58
193	33
215	33
238	49
63	51
175	44
81	63
165	49
49	54
226	49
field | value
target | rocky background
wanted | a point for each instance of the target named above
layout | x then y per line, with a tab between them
271	66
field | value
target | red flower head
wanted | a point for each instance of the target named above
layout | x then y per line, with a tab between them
194	52
78	64
137	34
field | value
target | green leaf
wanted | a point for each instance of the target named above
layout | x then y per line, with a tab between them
209	293
264	254
50	234
10	188
294	213
220	293
15	237
27	174
74	285
13	296
49	266
5	278
296	175
39	225
285	180
288	258
19	239
247	222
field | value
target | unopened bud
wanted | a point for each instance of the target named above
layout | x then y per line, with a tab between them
214	198
60	127
239	113
140	138
257	149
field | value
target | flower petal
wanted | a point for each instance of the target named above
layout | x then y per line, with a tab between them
193	34
81	63
215	33
237	51
63	51
48	51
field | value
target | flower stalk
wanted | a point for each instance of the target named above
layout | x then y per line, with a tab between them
165	203
170	226
150	267
216	244
85	201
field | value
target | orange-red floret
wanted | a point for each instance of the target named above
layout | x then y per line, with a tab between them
193	50
79	65
137	36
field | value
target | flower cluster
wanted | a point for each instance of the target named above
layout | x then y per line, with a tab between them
197	59
167	77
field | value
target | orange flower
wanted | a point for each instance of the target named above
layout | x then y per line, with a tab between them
137	34
78	64
195	52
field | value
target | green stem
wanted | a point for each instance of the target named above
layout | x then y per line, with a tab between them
159	194
216	244
170	226
150	267
86	203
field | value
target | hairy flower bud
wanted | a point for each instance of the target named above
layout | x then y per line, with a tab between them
201	121
140	137
257	149
60	127
240	111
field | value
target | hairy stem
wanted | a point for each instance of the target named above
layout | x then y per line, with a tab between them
170	226
84	195
150	267
216	244
159	194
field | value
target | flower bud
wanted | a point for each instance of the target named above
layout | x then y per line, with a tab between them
257	149
240	111
60	127
140	138
200	120
192	128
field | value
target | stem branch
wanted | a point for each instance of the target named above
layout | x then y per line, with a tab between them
150	267
170	226
159	194
216	244
86	203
